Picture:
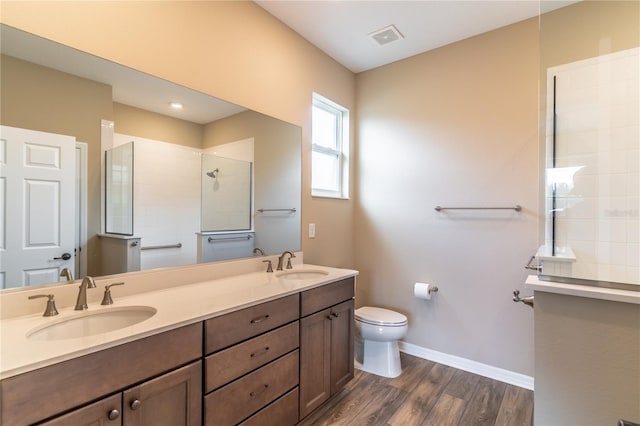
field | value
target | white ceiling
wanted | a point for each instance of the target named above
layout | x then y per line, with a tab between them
341	28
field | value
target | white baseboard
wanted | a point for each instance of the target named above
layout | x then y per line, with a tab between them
485	370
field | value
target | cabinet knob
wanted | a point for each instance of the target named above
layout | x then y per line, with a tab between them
113	414
332	315
135	404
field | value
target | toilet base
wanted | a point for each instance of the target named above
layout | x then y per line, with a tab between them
379	358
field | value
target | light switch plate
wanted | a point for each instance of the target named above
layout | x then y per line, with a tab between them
312	230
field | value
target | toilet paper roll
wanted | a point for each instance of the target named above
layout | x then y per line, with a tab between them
423	290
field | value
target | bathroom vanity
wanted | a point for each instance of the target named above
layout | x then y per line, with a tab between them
255	348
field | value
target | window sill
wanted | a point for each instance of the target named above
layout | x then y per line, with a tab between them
336	197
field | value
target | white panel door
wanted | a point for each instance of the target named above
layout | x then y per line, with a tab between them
38	206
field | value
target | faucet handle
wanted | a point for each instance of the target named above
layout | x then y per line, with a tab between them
50	310
269	265
106	299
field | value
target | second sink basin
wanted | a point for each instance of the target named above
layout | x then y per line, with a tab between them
90	323
302	274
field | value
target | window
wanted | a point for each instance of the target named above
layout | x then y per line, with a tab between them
330	145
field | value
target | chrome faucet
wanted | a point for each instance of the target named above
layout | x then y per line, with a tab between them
66	272
81	303
281	260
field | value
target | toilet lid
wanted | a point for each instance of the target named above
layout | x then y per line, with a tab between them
379	316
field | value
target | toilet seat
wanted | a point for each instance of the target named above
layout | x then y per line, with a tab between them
380	316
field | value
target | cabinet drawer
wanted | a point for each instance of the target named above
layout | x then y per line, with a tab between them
238	400
282	412
322	297
37	395
229	364
234	327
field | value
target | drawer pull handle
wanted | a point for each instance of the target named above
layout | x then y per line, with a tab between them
259	391
135	404
260	319
113	414
260	352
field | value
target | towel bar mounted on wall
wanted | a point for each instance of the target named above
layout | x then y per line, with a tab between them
166	246
215	240
292	210
517	208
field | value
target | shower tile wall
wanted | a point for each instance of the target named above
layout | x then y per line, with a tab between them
598	214
166	200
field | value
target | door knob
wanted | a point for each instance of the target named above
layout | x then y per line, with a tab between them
135	404
65	256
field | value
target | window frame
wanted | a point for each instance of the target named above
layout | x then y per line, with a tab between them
342	148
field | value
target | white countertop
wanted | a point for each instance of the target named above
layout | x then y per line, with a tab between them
176	307
593	292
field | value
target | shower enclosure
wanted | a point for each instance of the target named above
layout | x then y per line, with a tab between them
592	171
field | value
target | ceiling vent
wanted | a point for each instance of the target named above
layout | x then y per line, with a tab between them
386	35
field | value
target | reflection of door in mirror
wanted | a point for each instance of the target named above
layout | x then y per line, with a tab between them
593	161
119	190
38	183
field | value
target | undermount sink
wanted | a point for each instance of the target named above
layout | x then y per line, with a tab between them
91	323
302	274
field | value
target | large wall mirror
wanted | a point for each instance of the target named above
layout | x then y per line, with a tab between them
211	181
590	138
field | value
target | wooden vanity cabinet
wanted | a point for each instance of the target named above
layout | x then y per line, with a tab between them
268	364
41	394
173	399
252	365
326	343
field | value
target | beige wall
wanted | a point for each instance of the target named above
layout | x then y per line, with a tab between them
39	98
456	126
134	121
233	50
587	361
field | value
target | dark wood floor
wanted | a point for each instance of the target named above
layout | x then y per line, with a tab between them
426	393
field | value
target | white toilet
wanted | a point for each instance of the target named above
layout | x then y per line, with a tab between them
376	340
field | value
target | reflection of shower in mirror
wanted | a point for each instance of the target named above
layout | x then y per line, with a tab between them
213	174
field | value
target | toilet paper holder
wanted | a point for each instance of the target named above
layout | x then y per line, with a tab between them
424	290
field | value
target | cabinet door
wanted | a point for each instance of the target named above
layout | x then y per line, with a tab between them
105	412
341	344
173	399
315	361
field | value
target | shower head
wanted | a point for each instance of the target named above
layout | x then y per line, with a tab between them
213	174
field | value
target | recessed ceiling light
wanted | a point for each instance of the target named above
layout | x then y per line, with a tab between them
175	105
386	35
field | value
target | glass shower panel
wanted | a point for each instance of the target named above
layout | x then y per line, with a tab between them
226	194
119	190
590	98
